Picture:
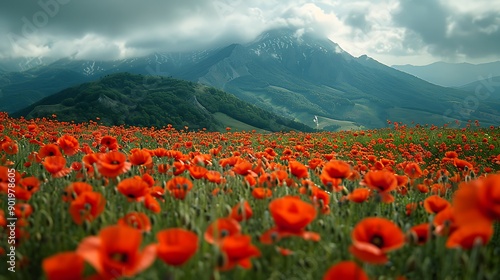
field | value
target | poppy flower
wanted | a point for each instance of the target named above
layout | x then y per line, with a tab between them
73	190
319	197
49	150
213	176
22	210
298	169
488	194
10	148
221	228
179	187
197	172
337	169
176	246
470	235
56	165
373	237
435	204
109	142
333	184
413	170
345	270
31	184
133	188
420	233
115	252
87	206
291	215
141	158
261	193
462	164
359	195
62	266
243	168
382	181
68	144
112	164
136	220
151	203
238	250
444	221
241	211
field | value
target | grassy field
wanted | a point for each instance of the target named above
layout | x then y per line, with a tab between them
88	201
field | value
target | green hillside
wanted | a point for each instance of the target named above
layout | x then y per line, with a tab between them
140	100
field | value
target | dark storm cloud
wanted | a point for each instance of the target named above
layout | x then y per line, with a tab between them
449	32
111	29
358	20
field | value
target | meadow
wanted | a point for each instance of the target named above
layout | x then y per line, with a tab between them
88	201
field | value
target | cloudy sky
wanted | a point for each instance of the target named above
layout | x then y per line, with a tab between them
391	31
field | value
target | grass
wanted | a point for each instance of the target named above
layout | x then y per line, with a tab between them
50	229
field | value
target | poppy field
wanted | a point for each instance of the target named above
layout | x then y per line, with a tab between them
88	201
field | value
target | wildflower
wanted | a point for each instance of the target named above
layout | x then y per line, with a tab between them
87	206
345	270
176	246
115	252
238	250
291	215
62	266
373	237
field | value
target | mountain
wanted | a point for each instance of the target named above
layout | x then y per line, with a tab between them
485	89
305	75
297	75
140	100
452	74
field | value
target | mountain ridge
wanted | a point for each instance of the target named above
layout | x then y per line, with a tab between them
300	76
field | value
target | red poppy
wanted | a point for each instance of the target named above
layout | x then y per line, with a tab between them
221	228
10	148
382	181
261	193
109	142
420	233
72	191
197	172
176	246
241	211
179	187
113	164
359	195
476	233
62	266
214	176
373	237
238	250
56	165
435	204
115	252
243	168
49	150
87	206
345	270
413	171
291	215
133	188
136	220
141	158
68	144
151	203
31	184
298	169
337	169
